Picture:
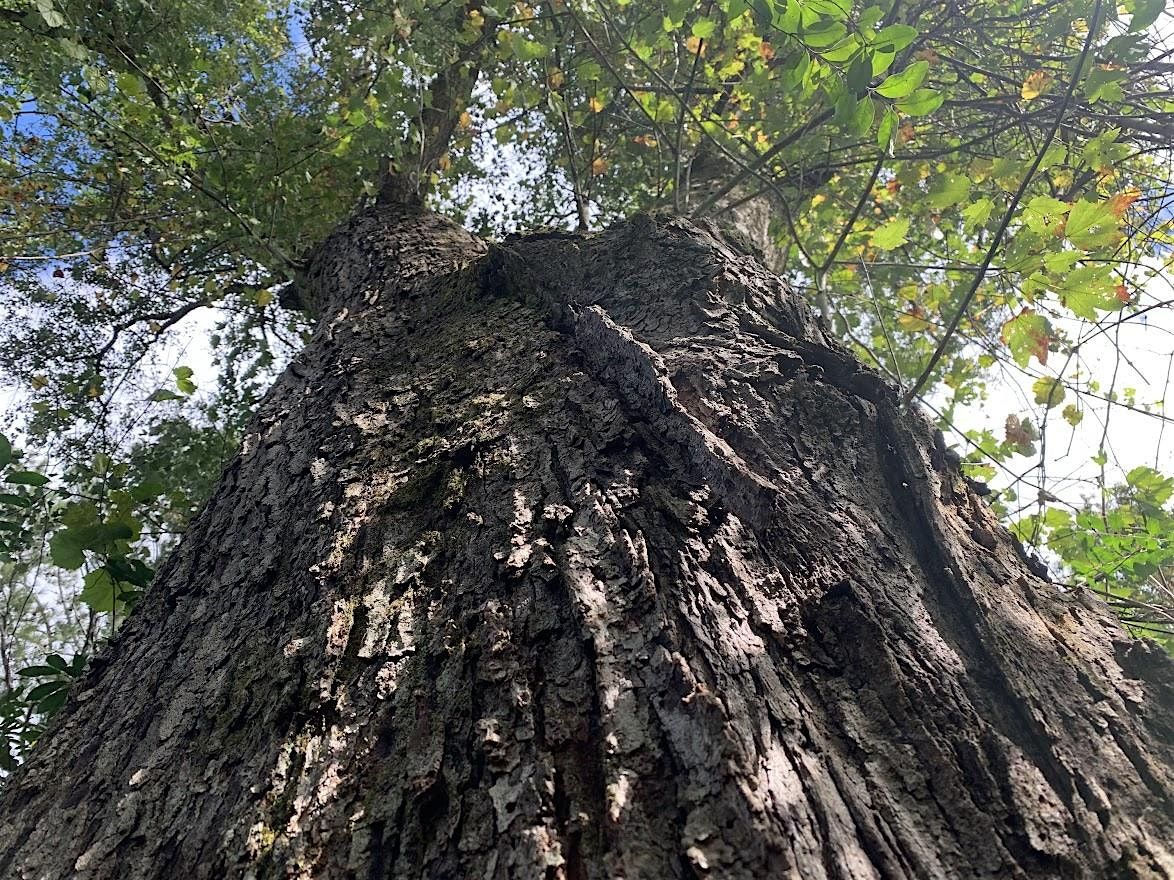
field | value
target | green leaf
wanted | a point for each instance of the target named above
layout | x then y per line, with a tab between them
703	28
894	38
52	17
824	35
5	451
1089	288
846	51
1061	262
1150	484
51	704
1086	303
99	591
131	571
1104	83
183	380
862	117
45	689
835	8
882	61
37	671
528	50
11	500
764	12
899	85
26	478
888	125
1043	214
921	103
854	115
859	74
589	71
870	18
147	490
733	8
130	85
891	235
1048	391
1072	414
66	550
1145	13
948	189
977	213
1092	225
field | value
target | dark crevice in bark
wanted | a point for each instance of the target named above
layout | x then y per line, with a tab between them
958	620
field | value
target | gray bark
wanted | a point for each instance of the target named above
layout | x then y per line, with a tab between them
592	556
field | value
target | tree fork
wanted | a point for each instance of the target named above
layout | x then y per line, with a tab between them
587	556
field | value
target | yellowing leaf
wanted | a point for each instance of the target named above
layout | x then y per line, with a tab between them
1035	85
1027	334
595	104
695	45
1120	203
912	321
1048	391
464	120
599	166
38	382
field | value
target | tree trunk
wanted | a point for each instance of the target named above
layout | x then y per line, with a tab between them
593	557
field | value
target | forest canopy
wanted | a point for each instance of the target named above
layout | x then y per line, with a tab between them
975	197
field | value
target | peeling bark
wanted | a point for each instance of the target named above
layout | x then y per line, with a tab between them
592	556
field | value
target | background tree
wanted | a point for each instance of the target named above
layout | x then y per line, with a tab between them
956	189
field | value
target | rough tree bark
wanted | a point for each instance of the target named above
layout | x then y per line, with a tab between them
592	556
